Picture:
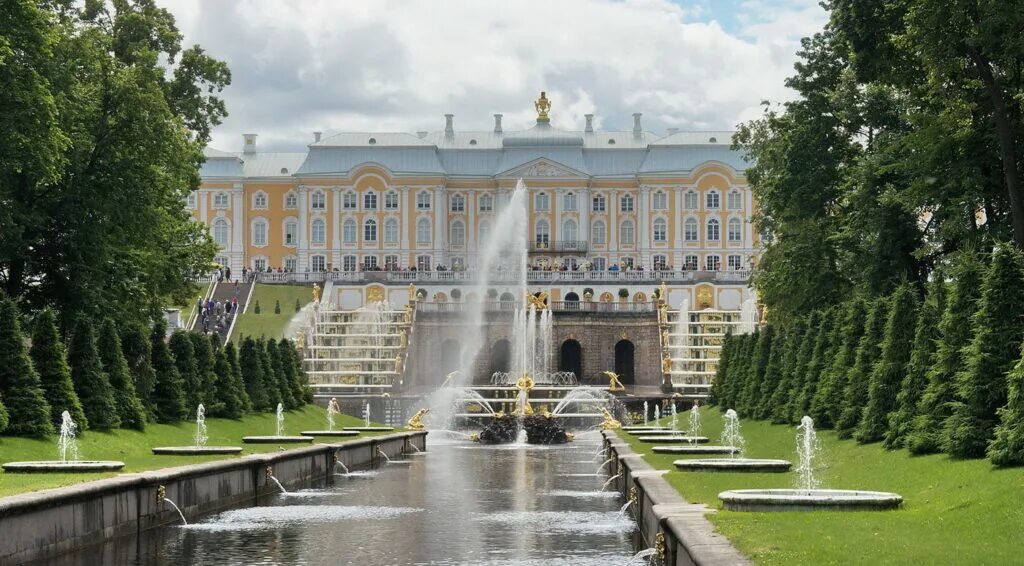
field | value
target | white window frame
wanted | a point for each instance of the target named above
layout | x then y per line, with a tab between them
569	202
660	230
734	200
291	200
321	238
713	230
713	200
391	231
349	231
598	233
458	234
598	204
423	200
221	200
627	228
627	203
370	230
227	232
458	203
735	230
691	230
391	200
713	262
318	262
541	202
370	200
659	200
349	200
424	232
691	201
259	200
570	231
542	234
293	224
318	200
256	225
486	203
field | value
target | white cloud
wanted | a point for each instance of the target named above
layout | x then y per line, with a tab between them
400	65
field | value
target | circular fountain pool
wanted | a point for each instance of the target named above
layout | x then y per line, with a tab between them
330	433
675	439
276	439
369	428
693	449
733	465
808	500
196	450
58	466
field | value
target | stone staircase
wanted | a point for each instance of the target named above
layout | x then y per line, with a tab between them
694	341
224	292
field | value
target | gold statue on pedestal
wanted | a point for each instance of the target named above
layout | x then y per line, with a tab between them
524	384
543	106
609	421
316	292
416	422
666	365
537	301
412	293
663	293
398	363
613	381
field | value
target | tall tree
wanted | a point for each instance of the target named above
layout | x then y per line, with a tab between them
168	400
188	371
821	358
210	395
780	397
138	352
827	404
20	388
292	366
772	373
91	383
1007	448
237	383
130	410
50	359
251	367
803	360
855	397
762	350
270	377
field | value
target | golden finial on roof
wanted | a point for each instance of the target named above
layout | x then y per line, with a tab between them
543	105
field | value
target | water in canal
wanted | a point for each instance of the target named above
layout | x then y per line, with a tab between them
460	503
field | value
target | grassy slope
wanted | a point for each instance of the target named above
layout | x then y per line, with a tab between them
133	447
955	512
267	323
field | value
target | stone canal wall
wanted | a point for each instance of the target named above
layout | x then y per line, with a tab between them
46	524
686	536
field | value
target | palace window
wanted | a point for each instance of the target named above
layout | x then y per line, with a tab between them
391	231
626	262
735	230
220	200
458	235
369	262
626	233
348	263
598	203
690	262
370	201
569	201
348	231
259	263
318	200
391	200
597	233
458	203
711	201
542	235
423	231
423	200
291	233
690	200
734	262
458	263
348	201
190	201
423	262
259	200
319	232
569	231
391	262
735	200
712	263
597	264
290	263
259	232
485	232
660	262
626	203
660	201
370	230
660	230
318	263
486	203
220	233
540	202
690	230
291	200
714	230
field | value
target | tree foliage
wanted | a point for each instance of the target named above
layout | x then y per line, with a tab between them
91	383
20	389
50	359
130	410
168	400
855	397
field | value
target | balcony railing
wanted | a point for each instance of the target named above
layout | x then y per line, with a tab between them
559	246
532	277
557	306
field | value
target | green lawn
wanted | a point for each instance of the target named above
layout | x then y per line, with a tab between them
954	512
267	323
187	299
133	447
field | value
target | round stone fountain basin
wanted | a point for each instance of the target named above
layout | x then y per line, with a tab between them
670	439
691	449
733	465
642	429
370	428
276	439
330	433
808	500
57	466
196	450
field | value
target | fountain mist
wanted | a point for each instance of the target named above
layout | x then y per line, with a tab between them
731	436
806	449
695	424
200	436
332	410
280	420
67	444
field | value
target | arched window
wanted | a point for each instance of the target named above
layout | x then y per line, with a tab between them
259	200
735	230
486	203
220	200
370	230
423	200
291	200
569	201
317	200
714	230
569	232
542	235
660	230
458	235
458	203
391	231
626	232
659	201
690	230
597	232
348	231
221	233
259	232
626	203
423	231
370	201
735	200
319	232
540	202
290	263
711	201
485	231
690	200
391	200
598	204
291	232
348	201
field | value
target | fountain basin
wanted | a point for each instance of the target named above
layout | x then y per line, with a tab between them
370	428
680	439
276	439
57	466
689	449
632	429
196	450
733	465
808	500
330	433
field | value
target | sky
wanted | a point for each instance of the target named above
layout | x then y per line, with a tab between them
399	66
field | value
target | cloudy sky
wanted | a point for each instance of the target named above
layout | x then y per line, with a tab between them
346	65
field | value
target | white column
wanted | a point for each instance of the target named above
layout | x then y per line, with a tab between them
238	227
677	236
613	223
440	225
583	205
406	213
471	197
644	225
748	215
302	251
335	219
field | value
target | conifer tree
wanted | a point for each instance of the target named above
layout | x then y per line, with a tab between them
1007	448
922	357
762	350
185	361
954	336
211	398
5	419
283	382
168	399
228	404
772	374
50	359
270	378
293	370
91	383
779	402
237	383
28	413
722	371
981	388
252	372
803	360
738	370
855	396
891	367
827	402
821	358
130	410
138	352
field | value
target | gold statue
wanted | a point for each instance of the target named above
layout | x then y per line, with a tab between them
416	422
475	437
524	384
412	293
537	301
666	365
609	421
664	338
663	293
613	381
316	292
398	363
543	105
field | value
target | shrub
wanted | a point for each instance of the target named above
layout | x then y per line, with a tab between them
623	293
252	374
270	379
292	364
772	373
803	359
130	410
855	395
256	308
821	358
91	383
277	306
188	371
1007	448
168	399
827	403
761	350
206	374
50	360
780	396
225	389
138	352
5	419
28	413
281	371
298	305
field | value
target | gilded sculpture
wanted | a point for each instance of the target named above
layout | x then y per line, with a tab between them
543	106
609	421
613	381
537	301
416	422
